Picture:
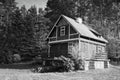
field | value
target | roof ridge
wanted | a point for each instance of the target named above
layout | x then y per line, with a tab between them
84	29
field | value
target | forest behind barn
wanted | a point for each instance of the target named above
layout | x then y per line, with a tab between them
24	31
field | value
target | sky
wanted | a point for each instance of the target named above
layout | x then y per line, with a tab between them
29	3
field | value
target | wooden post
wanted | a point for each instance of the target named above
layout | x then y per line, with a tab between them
56	32
79	46
69	32
48	50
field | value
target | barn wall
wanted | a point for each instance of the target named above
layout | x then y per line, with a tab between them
92	50
96	64
61	23
73	49
66	36
74	36
70	32
53	33
52	39
58	49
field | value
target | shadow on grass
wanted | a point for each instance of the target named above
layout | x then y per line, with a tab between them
115	63
18	66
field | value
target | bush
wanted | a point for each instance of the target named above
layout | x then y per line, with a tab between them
37	60
26	57
68	64
61	64
71	63
76	57
37	69
79	64
16	58
47	69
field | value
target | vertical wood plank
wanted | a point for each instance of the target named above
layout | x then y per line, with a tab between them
69	32
48	50
79	44
56	32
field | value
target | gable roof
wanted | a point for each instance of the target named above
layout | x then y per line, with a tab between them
82	29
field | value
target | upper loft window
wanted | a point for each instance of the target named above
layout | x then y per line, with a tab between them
62	30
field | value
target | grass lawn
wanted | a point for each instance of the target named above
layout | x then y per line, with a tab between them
112	73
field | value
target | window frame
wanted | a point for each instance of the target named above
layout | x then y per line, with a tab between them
62	30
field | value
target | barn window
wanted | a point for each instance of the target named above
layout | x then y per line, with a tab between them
103	49
62	30
99	49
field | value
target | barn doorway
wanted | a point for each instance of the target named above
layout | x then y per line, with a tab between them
58	49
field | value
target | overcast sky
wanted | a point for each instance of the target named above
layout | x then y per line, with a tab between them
29	3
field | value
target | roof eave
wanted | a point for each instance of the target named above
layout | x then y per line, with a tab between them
54	26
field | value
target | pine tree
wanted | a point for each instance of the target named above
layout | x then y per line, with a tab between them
57	7
8	7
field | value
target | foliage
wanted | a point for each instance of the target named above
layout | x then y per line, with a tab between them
57	7
56	65
68	63
76	57
60	64
8	7
16	58
18	31
38	70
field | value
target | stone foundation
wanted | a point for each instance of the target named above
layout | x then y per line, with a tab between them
96	64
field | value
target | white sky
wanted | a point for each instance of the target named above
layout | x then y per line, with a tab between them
29	3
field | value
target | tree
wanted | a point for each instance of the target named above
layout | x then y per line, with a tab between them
41	31
36	30
23	11
27	44
57	7
8	7
18	31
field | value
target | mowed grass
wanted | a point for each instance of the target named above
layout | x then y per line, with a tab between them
112	73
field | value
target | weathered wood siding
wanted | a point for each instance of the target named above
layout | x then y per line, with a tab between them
53	33
73	49
70	32
52	39
92	50
66	36
59	49
96	64
61	23
72	36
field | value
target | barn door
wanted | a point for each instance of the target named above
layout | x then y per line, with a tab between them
58	49
63	49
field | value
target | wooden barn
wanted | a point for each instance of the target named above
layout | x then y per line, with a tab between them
72	36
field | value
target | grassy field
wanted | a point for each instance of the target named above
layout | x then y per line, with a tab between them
112	73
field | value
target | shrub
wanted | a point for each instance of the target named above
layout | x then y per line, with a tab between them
72	63
60	64
68	64
37	60
79	64
16	58
37	69
26	57
76	57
